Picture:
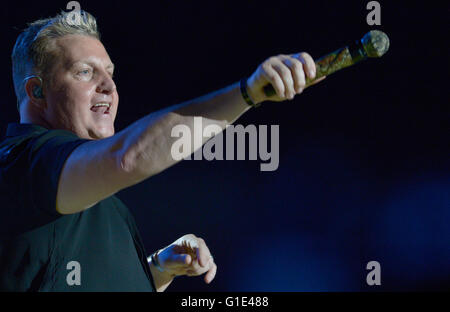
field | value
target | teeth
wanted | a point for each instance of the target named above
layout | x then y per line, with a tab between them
101	104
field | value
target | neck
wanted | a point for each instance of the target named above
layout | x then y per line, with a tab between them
28	115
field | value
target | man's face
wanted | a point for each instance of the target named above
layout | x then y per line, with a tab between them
81	78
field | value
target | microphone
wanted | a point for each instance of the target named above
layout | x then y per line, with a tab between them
374	44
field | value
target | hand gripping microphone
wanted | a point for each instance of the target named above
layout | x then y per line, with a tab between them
374	44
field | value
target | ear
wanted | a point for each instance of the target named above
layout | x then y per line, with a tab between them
34	90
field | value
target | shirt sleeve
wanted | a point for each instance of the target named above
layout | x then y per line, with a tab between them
47	154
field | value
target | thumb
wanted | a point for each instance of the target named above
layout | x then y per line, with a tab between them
181	259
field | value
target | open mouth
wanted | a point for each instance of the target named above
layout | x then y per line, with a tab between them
102	108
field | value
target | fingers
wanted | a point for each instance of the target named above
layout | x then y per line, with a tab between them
190	256
286	76
204	263
309	67
183	259
288	73
318	80
274	78
203	253
211	273
296	68
210	268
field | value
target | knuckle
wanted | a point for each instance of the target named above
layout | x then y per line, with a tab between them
290	86
305	55
271	77
301	80
297	64
290	83
271	59
266	66
279	87
284	71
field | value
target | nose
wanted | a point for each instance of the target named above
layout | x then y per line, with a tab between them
106	85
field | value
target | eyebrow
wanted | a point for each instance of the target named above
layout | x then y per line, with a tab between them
91	63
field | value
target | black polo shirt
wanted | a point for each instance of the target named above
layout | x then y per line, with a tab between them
41	250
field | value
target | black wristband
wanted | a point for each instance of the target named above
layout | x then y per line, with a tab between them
245	95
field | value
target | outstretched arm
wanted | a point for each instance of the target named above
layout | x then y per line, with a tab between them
96	170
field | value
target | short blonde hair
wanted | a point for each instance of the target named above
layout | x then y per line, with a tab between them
34	52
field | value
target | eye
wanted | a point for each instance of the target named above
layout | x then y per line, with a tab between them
84	72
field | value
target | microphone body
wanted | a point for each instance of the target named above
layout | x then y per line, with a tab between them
374	44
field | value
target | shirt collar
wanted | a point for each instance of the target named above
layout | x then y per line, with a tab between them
16	129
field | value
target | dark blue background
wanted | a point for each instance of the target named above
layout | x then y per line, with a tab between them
364	156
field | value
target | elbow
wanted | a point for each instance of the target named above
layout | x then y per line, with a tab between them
127	162
136	164
130	164
148	153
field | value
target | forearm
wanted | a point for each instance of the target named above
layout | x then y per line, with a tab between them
147	143
226	104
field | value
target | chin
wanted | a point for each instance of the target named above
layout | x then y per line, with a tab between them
97	135
106	135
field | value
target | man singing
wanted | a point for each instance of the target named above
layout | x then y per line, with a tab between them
62	164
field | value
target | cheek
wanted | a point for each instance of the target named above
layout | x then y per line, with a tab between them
116	105
58	104
81	94
78	100
72	104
